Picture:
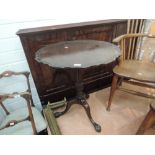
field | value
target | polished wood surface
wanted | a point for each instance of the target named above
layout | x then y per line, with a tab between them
138	70
78	54
48	86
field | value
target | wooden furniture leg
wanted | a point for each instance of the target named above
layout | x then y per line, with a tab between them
85	105
68	105
148	122
80	99
113	88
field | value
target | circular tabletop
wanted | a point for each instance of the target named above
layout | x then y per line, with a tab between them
78	54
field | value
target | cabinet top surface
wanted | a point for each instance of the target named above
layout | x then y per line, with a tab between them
67	26
77	54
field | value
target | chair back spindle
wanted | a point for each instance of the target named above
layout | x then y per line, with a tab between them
144	48
130	44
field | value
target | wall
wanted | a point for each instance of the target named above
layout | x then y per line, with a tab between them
12	57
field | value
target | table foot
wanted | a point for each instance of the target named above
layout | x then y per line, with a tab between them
87	96
58	114
97	127
84	103
108	108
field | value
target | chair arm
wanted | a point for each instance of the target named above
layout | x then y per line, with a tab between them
119	38
151	36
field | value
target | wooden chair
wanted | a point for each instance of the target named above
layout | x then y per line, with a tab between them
23	120
134	66
148	122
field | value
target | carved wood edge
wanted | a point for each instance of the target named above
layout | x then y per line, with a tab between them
3	97
14	122
10	73
14	95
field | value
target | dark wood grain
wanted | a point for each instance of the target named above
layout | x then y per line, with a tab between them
94	78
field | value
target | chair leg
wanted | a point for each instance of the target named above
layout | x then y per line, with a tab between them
148	122
120	80
113	88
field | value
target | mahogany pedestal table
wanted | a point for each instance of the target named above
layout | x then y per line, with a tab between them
77	55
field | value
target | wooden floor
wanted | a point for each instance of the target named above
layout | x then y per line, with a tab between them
127	113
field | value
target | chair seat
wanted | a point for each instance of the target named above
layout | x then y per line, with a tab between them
138	70
23	128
